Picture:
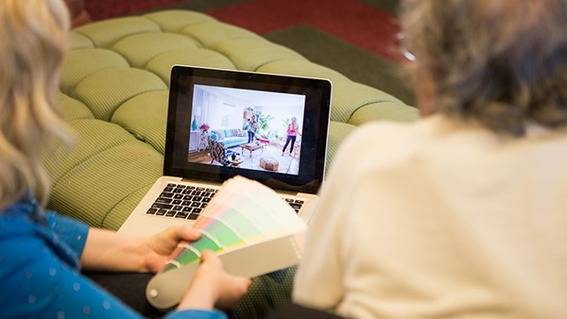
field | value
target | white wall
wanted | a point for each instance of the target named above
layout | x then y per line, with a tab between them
222	108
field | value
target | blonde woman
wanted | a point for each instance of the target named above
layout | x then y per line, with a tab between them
292	132
40	252
464	213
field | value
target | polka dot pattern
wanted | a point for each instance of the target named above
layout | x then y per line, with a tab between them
41	277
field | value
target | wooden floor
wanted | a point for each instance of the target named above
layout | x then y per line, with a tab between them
287	164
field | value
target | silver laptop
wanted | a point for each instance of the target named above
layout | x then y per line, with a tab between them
223	123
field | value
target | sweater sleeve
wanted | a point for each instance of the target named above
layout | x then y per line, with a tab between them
39	285
74	234
70	231
196	314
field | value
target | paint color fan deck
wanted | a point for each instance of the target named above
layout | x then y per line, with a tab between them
244	221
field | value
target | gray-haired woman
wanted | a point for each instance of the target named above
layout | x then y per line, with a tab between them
464	213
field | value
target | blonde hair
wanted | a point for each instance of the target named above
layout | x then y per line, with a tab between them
33	36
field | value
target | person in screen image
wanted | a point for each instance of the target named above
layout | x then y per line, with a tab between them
41	252
251	127
292	132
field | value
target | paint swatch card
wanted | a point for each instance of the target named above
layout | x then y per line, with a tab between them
241	214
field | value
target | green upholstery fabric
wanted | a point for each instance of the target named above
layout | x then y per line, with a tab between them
79	41
93	137
106	90
303	67
213	33
118	214
378	111
339	131
107	33
115	91
75	69
250	54
73	109
162	64
175	21
139	49
104	180
145	117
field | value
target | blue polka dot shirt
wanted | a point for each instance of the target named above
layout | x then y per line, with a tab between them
39	270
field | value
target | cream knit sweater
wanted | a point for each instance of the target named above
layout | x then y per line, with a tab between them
440	219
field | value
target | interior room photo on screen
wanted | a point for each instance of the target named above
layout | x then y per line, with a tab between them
248	129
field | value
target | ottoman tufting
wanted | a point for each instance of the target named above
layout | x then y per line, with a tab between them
114	92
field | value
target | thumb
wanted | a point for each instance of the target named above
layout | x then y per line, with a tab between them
165	242
211	259
186	233
208	256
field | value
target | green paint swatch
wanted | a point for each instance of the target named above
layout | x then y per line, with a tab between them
241	224
224	235
205	243
186	257
244	213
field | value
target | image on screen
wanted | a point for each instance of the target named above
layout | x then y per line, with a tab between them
246	129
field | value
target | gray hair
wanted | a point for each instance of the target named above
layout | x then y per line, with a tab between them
502	63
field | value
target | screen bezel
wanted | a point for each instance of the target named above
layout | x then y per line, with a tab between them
316	113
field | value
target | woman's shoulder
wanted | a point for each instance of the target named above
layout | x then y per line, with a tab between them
32	276
21	248
385	138
22	234
413	135
17	219
384	145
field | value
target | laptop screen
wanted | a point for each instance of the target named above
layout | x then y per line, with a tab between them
257	130
266	127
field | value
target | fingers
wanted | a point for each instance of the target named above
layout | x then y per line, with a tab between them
165	242
211	261
209	256
233	288
186	233
241	284
226	289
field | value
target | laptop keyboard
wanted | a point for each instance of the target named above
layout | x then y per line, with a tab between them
187	202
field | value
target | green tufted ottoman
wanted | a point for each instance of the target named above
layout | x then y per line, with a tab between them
114	92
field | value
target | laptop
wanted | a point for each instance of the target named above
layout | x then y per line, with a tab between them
224	123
